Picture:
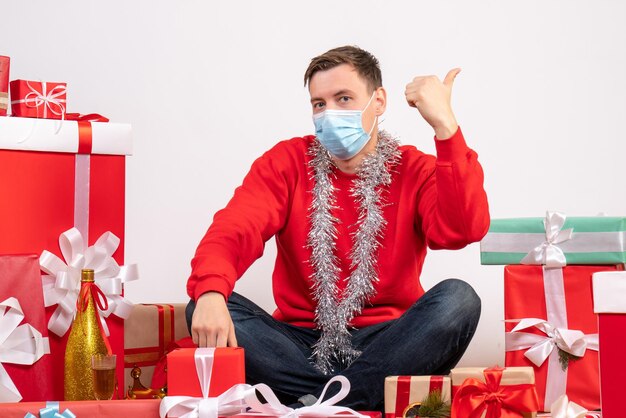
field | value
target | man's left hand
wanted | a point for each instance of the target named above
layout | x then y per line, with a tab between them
431	97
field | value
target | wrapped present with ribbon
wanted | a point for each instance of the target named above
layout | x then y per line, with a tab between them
224	366
52	182
149	332
51	410
405	394
5	64
211	397
551	327
609	299
21	345
555	241
38	99
494	392
564	408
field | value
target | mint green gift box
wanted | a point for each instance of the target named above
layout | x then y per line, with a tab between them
592	240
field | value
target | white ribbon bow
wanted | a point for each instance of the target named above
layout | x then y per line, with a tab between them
562	408
62	283
548	253
49	99
574	342
321	408
19	344
238	398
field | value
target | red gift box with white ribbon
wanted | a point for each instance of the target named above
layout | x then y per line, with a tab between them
38	99
551	327
609	298
66	177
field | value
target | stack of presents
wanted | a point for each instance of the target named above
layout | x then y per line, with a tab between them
62	178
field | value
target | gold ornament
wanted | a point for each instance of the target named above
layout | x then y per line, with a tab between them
86	339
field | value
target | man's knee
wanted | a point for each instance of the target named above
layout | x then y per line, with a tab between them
461	298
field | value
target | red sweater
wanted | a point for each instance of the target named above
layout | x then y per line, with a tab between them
435	202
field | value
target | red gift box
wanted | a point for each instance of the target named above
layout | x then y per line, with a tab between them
227	370
562	297
609	296
47	188
4	84
20	278
493	392
38	99
403	392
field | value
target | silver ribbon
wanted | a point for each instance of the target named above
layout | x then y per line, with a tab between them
563	408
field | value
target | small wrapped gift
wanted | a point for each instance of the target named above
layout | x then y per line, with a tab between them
494	392
226	370
609	296
551	327
4	84
403	394
555	241
38	99
148	332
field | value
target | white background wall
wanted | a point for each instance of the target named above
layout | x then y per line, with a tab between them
210	85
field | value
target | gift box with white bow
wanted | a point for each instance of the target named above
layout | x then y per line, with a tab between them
609	298
24	347
555	240
551	327
38	99
63	193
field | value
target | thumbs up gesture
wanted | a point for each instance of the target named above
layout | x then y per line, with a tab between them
431	97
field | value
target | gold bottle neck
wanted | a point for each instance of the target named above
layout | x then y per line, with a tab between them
87	276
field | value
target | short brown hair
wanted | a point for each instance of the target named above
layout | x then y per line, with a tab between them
365	64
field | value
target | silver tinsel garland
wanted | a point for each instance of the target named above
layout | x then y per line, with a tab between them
333	315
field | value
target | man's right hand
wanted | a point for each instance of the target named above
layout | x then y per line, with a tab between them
211	324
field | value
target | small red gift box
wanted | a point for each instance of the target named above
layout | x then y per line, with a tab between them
53	181
403	392
20	278
609	296
4	84
38	99
556	304
493	392
227	369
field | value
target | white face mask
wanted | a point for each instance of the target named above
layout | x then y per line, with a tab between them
341	131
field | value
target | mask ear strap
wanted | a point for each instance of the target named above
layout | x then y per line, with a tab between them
369	102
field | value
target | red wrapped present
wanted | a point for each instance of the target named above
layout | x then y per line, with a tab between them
405	392
609	298
225	367
38	99
493	392
53	181
21	302
4	84
552	328
149	333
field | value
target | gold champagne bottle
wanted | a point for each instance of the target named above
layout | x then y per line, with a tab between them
86	339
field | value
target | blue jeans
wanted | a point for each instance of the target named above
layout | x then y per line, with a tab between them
428	339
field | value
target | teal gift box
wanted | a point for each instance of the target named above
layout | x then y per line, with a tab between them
555	241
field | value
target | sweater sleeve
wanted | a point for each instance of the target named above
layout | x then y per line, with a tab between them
452	204
237	236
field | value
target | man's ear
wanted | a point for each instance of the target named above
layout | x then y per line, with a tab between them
380	101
